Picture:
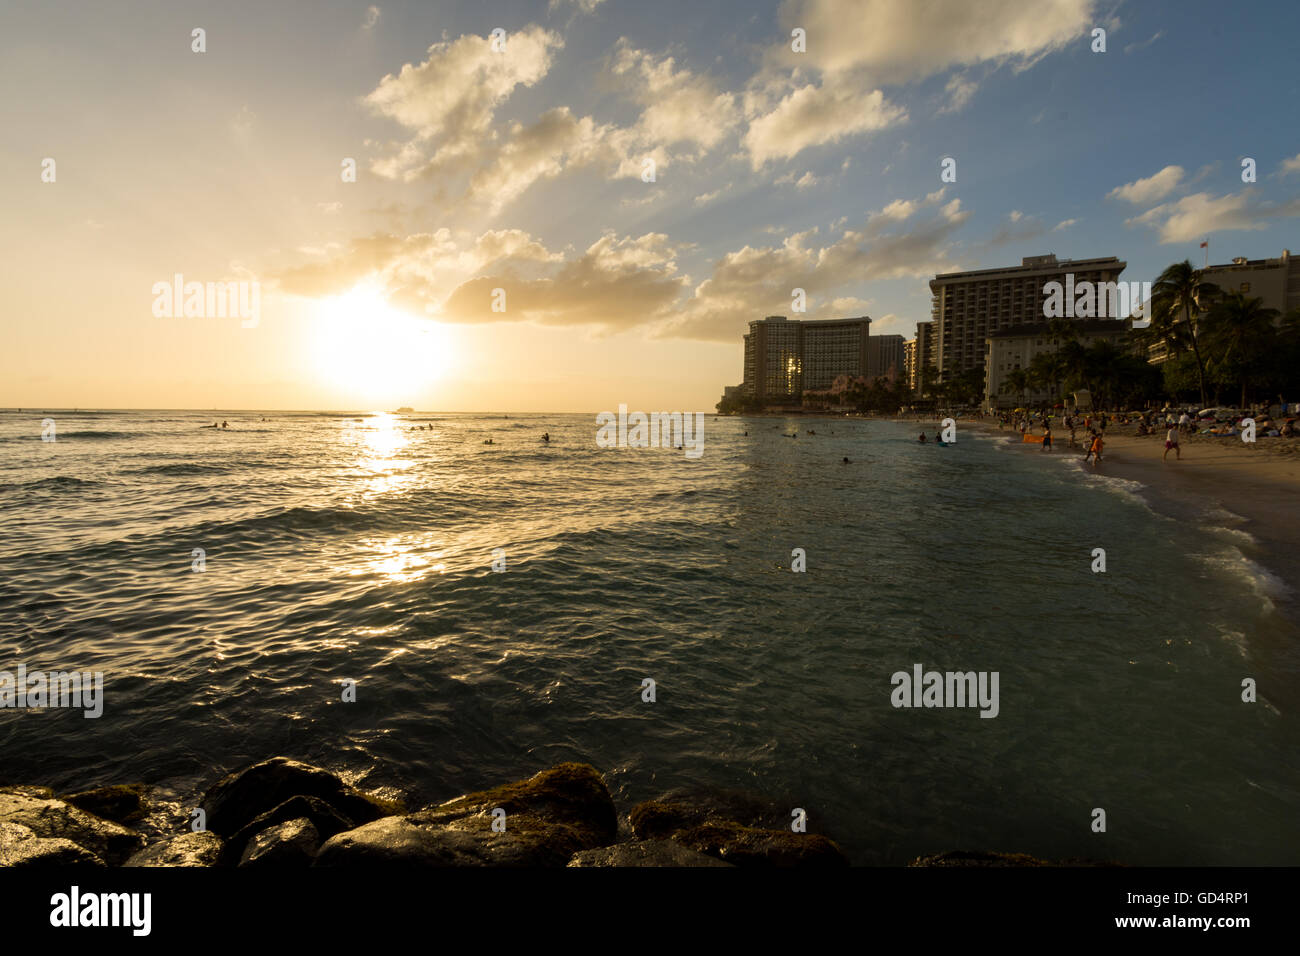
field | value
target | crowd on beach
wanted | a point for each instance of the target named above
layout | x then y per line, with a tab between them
1177	425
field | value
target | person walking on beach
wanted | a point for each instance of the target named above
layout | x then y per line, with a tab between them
1092	444
1047	436
1097	444
1171	441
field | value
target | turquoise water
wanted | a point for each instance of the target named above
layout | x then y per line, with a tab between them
346	547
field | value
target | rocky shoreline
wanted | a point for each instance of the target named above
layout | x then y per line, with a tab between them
284	813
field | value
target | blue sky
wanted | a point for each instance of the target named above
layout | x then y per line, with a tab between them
522	169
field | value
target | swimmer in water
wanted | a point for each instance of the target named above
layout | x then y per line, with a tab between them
846	461
922	438
546	436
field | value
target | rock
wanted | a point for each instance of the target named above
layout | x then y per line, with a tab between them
699	829
750	846
121	803
325	818
661	818
55	819
20	846
241	797
992	858
644	853
549	817
292	843
187	849
395	842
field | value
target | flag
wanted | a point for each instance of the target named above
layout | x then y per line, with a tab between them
1205	244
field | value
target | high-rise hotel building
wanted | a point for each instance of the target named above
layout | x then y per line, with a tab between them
968	307
783	356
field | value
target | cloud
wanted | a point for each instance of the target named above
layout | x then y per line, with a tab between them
1064	224
892	42
448	103
705	198
615	283
814	115
1193	217
678	105
960	89
1017	228
372	17
1291	165
1152	188
856	47
1134	47
585	6
806	181
755	281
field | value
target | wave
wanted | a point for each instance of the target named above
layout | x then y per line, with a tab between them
101	436
182	468
57	481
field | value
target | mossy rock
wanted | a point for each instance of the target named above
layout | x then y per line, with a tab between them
55	819
21	847
187	849
241	797
549	817
751	846
122	803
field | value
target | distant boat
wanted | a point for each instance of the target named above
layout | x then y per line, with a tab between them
404	410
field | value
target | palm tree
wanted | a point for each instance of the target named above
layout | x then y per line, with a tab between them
1018	380
1240	330
1176	300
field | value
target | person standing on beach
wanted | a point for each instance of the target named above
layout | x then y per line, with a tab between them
1047	436
1171	441
1092	444
1097	444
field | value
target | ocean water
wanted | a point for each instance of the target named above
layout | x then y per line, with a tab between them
346	547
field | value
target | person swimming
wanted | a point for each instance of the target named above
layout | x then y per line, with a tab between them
922	438
846	461
225	424
546	436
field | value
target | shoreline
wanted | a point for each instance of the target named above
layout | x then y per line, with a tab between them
1257	488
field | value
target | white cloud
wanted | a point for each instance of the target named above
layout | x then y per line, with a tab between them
1151	189
448	102
752	281
1291	165
1064	224
1134	47
960	89
1193	217
372	17
814	115
900	41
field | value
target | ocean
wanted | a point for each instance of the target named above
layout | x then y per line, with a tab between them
341	547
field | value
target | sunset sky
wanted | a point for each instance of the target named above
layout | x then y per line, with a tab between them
522	170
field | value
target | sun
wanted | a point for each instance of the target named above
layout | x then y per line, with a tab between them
366	349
